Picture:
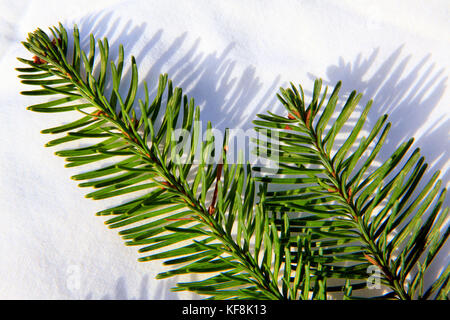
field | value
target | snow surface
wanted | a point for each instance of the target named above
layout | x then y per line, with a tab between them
231	56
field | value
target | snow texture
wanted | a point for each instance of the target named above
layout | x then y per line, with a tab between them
231	56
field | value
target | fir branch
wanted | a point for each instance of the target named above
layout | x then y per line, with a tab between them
172	202
351	205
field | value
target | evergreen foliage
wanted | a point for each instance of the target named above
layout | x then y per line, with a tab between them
333	217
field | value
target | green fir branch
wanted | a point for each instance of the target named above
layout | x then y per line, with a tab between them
358	214
175	207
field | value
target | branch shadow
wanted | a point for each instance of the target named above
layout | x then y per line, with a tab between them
407	94
225	94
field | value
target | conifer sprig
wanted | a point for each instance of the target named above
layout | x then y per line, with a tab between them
176	207
358	213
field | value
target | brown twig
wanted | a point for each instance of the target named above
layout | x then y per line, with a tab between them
211	208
